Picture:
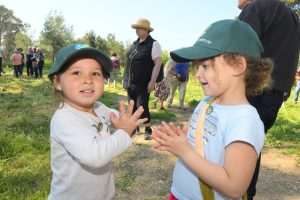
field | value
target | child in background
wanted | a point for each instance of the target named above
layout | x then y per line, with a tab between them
114	75
229	129
82	145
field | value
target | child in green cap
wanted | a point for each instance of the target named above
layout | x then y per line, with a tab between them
217	151
82	145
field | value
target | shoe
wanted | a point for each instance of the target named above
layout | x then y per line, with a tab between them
148	132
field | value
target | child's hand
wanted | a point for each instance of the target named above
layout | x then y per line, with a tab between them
171	138
127	121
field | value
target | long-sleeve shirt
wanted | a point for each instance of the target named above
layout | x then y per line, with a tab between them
81	153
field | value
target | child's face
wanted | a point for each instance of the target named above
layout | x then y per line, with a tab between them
82	84
215	76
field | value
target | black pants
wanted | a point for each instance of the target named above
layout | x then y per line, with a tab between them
29	68
267	105
140	96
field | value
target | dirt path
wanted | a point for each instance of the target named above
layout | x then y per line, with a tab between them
149	173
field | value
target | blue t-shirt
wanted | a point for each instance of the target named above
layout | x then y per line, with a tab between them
224	125
182	69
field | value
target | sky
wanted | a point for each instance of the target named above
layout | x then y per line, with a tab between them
176	23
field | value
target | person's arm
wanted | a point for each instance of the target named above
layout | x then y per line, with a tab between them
156	54
231	180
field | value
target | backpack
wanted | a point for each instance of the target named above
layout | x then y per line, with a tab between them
116	64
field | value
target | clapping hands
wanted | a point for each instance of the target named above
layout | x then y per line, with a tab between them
171	138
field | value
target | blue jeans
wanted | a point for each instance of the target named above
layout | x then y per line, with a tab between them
267	105
297	90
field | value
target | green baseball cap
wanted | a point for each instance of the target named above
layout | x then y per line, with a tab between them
225	36
67	54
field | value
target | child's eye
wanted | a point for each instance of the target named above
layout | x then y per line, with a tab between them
76	73
97	74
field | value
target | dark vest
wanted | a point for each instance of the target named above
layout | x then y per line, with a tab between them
139	64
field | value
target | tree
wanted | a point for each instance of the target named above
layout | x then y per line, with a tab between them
56	33
294	4
116	46
90	39
23	38
9	27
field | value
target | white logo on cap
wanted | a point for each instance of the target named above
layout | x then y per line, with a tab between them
205	41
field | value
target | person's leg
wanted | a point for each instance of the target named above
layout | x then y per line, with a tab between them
27	69
142	99
41	66
267	105
31	71
131	95
296	92
36	71
182	91
173	88
16	73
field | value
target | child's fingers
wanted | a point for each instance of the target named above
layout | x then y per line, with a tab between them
168	130
130	107
138	112
113	118
141	121
172	126
121	108
185	129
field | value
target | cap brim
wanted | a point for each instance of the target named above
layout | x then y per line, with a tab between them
96	54
193	53
135	26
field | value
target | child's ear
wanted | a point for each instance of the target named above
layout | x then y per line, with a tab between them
240	66
56	83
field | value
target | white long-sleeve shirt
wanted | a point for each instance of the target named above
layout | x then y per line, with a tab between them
81	155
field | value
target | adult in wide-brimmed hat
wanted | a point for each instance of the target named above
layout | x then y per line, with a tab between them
144	60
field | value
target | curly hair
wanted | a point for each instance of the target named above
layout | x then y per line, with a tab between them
257	74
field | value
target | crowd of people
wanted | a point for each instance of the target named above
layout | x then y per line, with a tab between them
33	61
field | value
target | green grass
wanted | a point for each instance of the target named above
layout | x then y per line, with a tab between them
26	106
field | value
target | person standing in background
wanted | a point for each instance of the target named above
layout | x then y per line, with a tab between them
144	60
297	88
278	29
16	59
114	74
22	60
39	63
180	78
29	67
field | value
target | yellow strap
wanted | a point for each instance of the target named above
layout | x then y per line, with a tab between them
206	190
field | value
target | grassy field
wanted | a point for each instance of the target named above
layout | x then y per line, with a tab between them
26	106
